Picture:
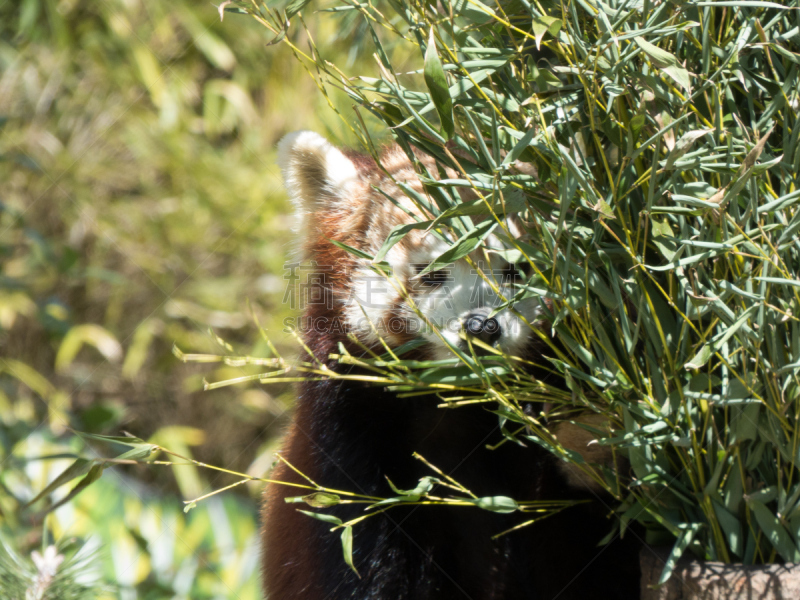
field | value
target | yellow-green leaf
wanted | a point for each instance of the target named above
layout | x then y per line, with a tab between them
545	24
666	62
347	548
437	86
91	334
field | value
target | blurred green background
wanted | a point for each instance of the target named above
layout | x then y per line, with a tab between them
140	208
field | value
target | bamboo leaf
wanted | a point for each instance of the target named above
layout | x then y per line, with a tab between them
322	499
702	356
294	7
775	531
685	538
666	62
397	234
463	246
545	24
78	468
436	81
347	548
333	519
93	335
684	144
498	504
518	148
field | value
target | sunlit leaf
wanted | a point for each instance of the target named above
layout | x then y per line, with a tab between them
437	85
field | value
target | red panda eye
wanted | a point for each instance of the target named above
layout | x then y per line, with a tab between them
511	274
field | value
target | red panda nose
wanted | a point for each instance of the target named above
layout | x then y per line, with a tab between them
486	330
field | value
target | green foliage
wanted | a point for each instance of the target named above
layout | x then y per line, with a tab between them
122	536
655	145
132	132
139	207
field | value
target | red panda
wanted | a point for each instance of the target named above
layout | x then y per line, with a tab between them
350	436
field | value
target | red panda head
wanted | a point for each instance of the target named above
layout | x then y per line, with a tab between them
345	197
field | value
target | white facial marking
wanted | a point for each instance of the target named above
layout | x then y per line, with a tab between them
369	305
444	300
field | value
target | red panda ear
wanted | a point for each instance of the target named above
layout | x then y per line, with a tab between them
314	171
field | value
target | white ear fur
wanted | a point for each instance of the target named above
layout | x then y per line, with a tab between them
314	170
